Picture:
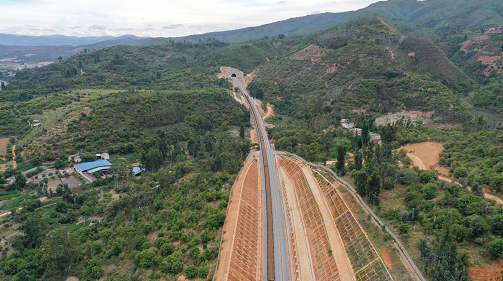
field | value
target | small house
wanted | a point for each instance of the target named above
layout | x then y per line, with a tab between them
104	156
137	171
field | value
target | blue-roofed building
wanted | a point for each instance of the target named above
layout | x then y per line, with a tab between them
94	166
137	170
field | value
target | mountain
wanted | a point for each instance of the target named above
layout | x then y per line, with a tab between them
56	40
159	103
366	65
437	18
443	17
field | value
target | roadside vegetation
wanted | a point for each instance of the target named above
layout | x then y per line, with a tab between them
162	107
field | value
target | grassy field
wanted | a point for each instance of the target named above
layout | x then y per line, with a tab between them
51	119
128	159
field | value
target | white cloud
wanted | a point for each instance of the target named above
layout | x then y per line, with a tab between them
177	18
95	26
172	26
123	29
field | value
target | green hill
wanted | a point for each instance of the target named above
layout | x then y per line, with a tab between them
358	66
443	17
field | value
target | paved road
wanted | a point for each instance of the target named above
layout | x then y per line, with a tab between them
281	270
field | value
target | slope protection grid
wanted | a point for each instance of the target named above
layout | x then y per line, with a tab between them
241	253
365	262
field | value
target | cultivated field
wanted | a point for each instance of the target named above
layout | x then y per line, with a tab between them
3	146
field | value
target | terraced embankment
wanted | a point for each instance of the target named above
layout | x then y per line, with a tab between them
338	247
241	252
322	253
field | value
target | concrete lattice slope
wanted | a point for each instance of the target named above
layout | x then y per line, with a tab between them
320	250
241	252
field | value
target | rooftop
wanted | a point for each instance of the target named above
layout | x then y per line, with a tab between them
91	165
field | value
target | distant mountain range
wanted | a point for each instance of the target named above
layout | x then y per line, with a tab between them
444	17
56	40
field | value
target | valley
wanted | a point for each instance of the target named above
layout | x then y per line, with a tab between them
364	145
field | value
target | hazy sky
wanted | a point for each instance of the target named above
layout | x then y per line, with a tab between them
163	18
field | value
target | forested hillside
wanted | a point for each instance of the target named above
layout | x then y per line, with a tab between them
162	107
165	223
366	65
173	65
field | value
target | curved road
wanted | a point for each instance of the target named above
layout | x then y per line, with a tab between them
281	271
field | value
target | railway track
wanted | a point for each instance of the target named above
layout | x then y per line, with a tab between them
276	254
270	240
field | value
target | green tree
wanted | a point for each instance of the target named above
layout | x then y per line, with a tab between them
194	253
88	157
430	191
33	205
60	250
497	224
358	160
361	182
496	248
403	229
443	261
191	271
35	230
93	270
20	182
242	131
340	167
373	188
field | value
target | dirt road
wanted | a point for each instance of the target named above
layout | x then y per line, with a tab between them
426	154
14	164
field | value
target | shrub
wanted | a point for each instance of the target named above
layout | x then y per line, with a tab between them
478	225
191	271
205	237
167	249
407	176
403	229
430	191
146	258
165	267
176	267
146	245
194	253
216	220
97	247
203	272
496	248
93	269
160	241
497	224
388	185
148	227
